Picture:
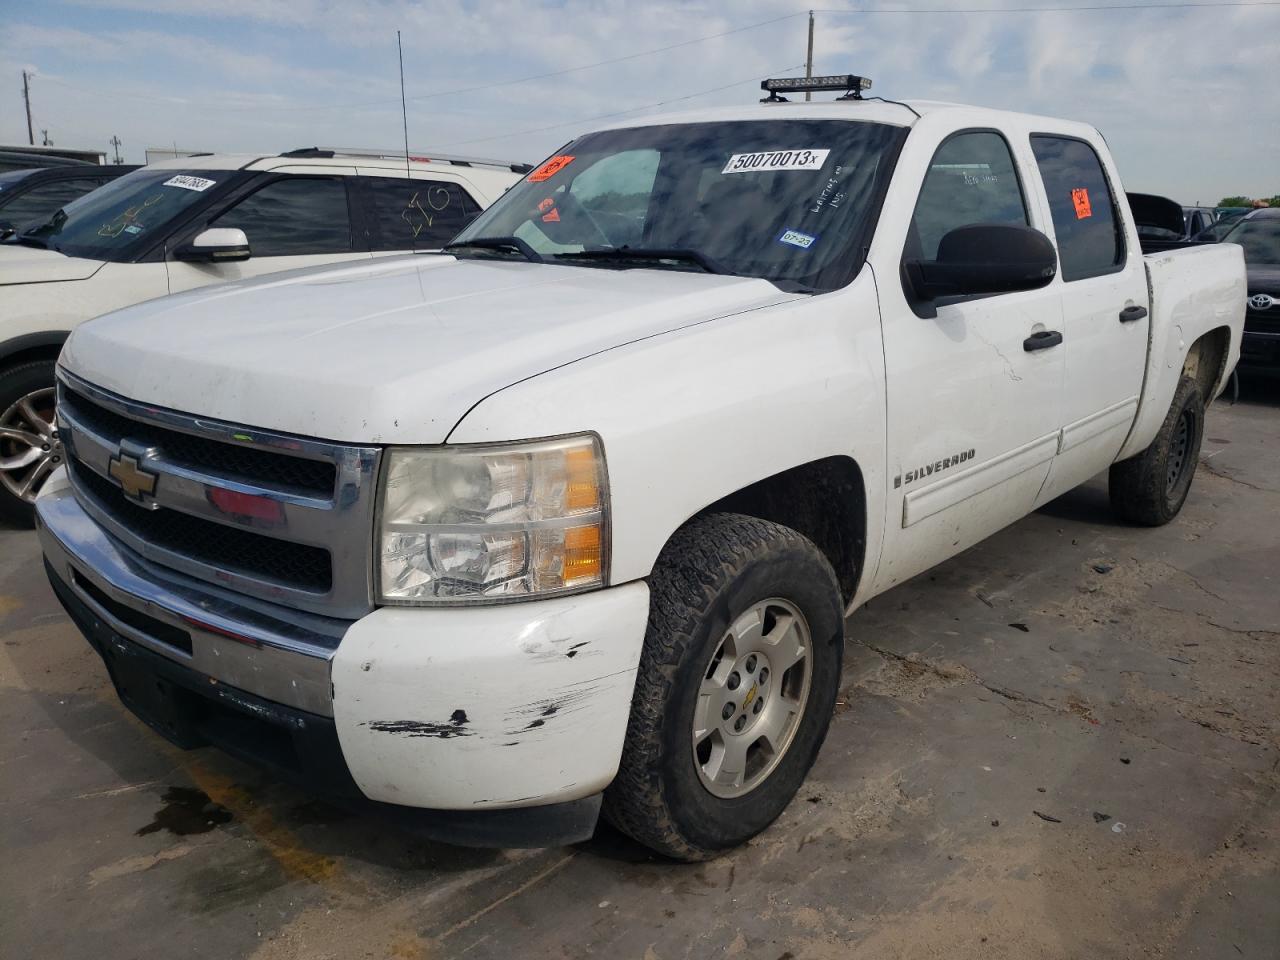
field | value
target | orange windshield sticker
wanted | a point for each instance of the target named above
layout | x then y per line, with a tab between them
552	217
551	168
1080	197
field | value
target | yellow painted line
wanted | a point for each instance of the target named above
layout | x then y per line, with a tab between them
281	842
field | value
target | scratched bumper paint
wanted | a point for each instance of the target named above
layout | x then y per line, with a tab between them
515	705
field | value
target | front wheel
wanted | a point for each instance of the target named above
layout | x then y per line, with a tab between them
1151	488
737	680
29	445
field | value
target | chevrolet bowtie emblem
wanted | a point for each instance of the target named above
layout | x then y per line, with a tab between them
133	480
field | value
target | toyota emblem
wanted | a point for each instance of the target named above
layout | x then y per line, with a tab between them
1262	301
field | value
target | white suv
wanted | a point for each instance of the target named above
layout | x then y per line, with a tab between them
193	221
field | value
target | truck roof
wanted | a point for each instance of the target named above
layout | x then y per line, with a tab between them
904	113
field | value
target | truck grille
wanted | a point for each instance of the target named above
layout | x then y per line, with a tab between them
227	548
287	519
224	459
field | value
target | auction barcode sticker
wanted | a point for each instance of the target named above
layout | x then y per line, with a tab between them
198	184
776	160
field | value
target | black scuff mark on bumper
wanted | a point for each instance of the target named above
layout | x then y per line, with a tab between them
456	726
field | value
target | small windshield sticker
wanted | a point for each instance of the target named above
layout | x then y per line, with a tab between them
133	228
198	184
797	239
776	160
1080	198
548	210
550	168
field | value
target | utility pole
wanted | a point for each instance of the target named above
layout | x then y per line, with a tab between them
808	66
115	142
26	96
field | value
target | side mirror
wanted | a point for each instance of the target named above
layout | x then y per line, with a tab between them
216	245
7	229
985	258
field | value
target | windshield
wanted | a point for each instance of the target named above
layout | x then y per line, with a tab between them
110	223
784	200
1260	238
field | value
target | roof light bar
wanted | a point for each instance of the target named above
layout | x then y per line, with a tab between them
852	84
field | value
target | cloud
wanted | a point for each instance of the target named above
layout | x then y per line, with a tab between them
1182	112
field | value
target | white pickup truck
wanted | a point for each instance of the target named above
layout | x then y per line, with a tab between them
570	516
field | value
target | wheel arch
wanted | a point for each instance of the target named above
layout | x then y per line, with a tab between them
1206	362
45	345
824	500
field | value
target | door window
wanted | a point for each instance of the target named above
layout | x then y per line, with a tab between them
1088	229
293	217
418	214
972	179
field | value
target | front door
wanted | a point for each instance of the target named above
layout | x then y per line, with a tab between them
290	222
974	398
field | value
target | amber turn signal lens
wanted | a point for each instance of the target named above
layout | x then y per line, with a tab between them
582	555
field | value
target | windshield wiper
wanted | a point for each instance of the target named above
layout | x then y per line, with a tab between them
679	254
27	240
498	243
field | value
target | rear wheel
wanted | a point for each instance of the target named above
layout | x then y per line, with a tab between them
737	680
1151	487
29	445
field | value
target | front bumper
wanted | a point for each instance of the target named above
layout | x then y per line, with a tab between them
514	711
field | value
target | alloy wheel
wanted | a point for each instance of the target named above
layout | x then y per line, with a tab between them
29	446
752	698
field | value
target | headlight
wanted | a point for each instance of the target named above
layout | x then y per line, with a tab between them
482	523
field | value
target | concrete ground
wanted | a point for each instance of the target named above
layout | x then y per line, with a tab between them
1062	743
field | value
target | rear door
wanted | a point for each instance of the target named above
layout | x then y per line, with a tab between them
404	214
1103	285
291	221
973	394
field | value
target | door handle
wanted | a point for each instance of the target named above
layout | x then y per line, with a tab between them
1130	314
1042	340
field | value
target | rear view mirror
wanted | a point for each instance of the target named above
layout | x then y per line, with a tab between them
216	245
985	258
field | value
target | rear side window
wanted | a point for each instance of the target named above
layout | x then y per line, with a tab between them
971	180
1090	241
418	214
41	202
293	217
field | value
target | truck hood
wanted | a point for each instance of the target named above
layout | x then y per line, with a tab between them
19	264
392	351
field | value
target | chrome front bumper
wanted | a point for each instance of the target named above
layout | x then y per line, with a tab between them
279	654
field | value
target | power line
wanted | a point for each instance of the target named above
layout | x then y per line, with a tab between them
620	113
1084	8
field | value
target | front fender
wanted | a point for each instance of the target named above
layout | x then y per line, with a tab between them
691	416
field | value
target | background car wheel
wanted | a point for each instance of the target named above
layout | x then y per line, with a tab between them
737	680
1151	488
29	446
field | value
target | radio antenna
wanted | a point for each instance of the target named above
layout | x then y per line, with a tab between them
404	110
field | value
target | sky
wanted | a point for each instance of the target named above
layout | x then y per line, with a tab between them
1188	98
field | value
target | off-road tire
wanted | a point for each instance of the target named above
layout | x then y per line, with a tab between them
1140	487
16	382
713	569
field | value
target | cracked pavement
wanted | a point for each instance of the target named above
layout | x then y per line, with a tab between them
1030	758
